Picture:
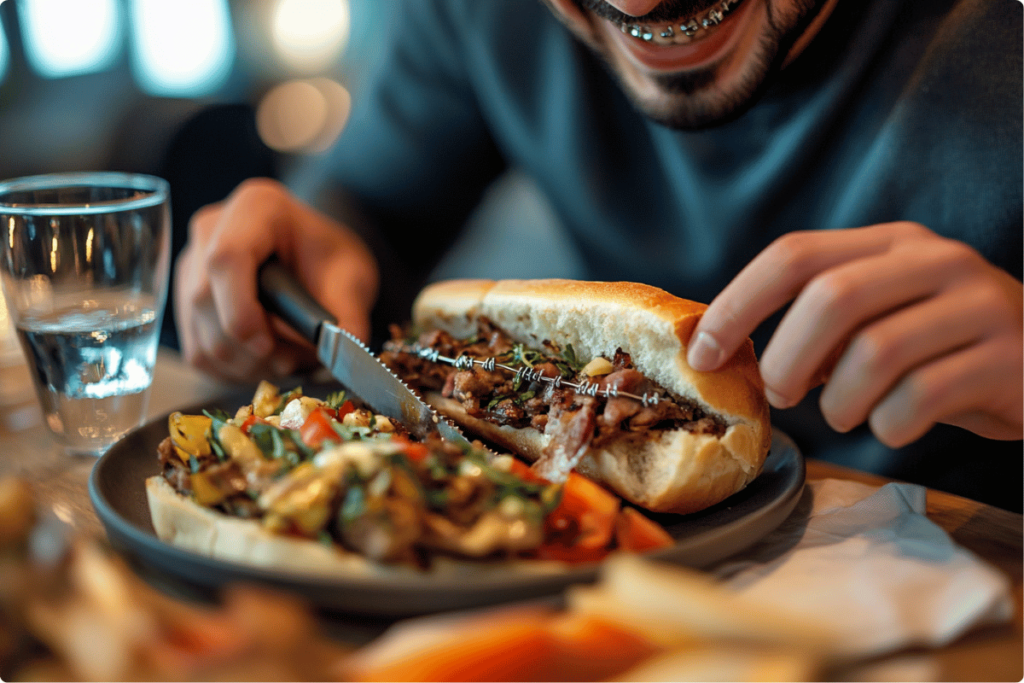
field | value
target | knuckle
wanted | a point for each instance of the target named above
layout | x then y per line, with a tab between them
992	305
914	392
204	220
873	352
910	230
225	256
257	190
791	251
918	396
957	258
832	291
240	328
959	252
223	350
189	352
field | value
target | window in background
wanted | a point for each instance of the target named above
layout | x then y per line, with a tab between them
309	35
70	37
183	48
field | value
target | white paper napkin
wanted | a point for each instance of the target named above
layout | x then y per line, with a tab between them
870	562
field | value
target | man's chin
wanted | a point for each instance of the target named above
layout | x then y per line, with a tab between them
692	100
706	83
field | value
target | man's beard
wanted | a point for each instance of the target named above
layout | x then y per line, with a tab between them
691	100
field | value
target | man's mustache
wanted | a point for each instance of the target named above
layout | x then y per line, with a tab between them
668	11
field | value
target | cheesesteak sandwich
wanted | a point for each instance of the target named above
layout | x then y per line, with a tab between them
589	376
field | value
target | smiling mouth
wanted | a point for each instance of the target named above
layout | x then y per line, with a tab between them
684	32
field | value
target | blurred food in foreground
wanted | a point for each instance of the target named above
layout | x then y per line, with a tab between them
72	611
641	621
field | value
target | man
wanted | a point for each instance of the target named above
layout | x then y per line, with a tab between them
853	165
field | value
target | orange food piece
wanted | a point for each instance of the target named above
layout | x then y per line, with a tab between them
526	473
637	533
344	409
317	428
249	422
415	451
591	508
507	644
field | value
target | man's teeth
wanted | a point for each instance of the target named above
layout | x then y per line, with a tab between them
680	34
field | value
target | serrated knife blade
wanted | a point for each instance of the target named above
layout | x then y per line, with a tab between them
347	358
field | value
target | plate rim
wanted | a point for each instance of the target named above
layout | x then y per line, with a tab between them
209	572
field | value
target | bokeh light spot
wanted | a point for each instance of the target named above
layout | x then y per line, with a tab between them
310	34
70	37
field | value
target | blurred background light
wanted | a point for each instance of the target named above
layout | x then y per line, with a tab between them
309	35
304	116
182	48
70	37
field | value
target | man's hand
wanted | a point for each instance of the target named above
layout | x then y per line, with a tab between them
905	328
221	325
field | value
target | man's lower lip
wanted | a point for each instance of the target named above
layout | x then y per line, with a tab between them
681	57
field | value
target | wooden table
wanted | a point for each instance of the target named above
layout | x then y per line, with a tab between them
995	535
26	449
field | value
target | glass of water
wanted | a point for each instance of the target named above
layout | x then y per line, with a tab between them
84	265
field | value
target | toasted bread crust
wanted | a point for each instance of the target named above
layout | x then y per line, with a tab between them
680	471
186	524
182	522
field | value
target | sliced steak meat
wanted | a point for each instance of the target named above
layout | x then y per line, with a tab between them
570	426
175	471
573	422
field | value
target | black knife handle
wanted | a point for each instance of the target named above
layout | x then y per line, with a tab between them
281	294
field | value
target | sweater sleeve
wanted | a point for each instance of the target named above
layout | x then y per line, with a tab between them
415	156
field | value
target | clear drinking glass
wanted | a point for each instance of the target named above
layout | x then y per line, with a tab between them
84	265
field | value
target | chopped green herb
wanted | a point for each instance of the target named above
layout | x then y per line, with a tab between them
287	398
218	449
336	399
436	499
217	415
569	356
349	433
354	505
281	444
495	401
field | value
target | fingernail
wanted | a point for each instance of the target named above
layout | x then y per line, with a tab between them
704	354
777	400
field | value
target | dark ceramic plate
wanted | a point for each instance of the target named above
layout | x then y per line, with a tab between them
117	491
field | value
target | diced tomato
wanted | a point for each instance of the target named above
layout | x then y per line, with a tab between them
580	529
592	507
415	451
637	533
250	421
345	409
317	428
526	473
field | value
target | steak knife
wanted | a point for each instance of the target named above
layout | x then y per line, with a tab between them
347	358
